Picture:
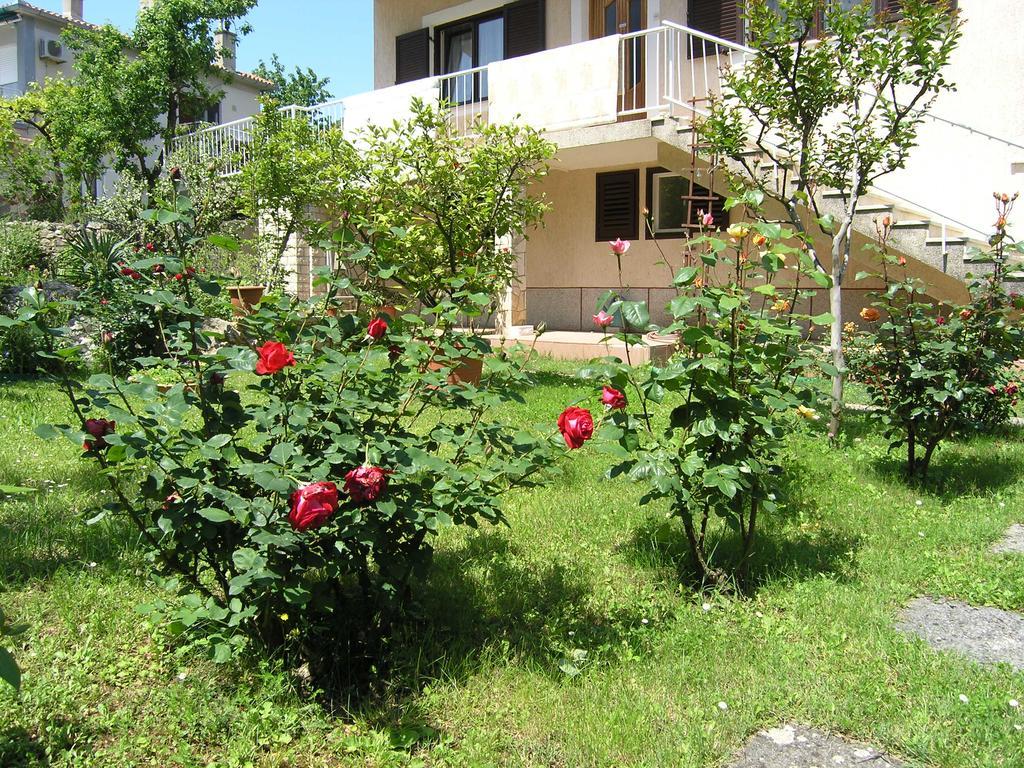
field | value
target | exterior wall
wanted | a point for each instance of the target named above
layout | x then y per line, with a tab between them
953	171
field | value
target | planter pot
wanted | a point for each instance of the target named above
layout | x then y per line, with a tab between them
244	298
468	371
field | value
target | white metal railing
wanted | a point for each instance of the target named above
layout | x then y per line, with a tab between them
229	143
466	94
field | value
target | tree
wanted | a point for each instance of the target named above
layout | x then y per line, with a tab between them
838	113
302	87
141	98
55	162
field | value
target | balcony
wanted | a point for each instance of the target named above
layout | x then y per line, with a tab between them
666	70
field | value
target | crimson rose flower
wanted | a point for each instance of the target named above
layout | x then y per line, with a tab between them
313	505
576	426
366	484
613	398
98	429
377	328
274	357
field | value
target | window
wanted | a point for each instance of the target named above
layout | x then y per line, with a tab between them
618	205
468	45
675	204
516	29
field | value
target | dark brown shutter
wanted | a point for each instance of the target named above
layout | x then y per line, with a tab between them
717	207
891	8
524	28
618	205
721	18
412	56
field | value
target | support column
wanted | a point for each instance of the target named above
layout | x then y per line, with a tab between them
511	316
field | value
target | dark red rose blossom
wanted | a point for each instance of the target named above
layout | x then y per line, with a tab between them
150	247
97	429
313	505
377	328
1011	388
175	173
274	357
613	398
576	426
366	484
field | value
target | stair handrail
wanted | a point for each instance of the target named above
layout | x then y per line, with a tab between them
730	44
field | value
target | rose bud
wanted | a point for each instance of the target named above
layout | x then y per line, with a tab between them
274	357
174	498
993	390
613	398
707	219
966	314
97	429
175	173
377	328
760	240
313	505
1011	388
940	320
576	426
104	302
602	319
150	247
619	246
366	484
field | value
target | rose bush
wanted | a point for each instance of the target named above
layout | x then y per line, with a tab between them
728	394
290	489
937	371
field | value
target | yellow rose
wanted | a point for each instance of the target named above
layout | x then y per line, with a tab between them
808	413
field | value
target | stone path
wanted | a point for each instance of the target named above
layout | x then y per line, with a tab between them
985	635
796	746
1013	541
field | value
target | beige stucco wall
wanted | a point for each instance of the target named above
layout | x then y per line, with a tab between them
953	171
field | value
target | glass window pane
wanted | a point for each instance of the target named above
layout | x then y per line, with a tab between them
458	57
636	15
670	209
611	18
491	41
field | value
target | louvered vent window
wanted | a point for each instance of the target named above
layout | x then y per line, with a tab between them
618	205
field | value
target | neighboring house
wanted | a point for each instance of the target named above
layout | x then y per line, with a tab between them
31	50
616	84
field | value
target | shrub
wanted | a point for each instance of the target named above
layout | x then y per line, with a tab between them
300	501
22	259
937	371
730	391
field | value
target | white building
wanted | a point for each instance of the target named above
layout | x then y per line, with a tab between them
615	85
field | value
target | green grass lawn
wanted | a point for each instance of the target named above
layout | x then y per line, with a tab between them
563	640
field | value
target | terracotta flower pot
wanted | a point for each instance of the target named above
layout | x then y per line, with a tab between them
469	371
244	298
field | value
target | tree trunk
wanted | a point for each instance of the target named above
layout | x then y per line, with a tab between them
835	301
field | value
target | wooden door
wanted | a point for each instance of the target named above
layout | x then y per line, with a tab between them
620	17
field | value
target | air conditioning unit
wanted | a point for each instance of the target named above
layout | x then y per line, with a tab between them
51	49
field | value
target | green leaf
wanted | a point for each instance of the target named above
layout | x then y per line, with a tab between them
223	241
214	515
825	318
167	217
9	671
635	314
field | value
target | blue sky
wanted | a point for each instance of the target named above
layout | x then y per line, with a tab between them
334	37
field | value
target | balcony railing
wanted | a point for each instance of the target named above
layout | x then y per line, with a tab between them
11	90
670	68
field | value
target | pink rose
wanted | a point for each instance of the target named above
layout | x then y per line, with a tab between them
366	484
940	320
707	219
313	505
613	399
602	319
619	246
274	357
377	328
576	426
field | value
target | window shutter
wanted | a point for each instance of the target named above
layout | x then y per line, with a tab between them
412	56
524	28
717	207
891	8
618	205
720	18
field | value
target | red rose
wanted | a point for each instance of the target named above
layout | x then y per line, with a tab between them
993	390
98	429
965	314
940	320
1011	388
576	426
366	484
150	247
613	398
313	505
274	356
377	328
